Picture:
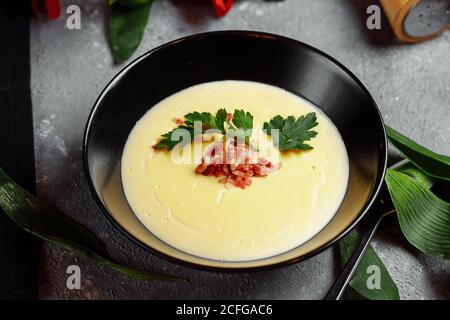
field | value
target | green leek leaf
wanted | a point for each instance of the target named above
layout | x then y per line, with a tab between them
432	163
126	28
411	170
39	219
371	279
424	218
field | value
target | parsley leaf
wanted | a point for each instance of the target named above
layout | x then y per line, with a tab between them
221	117
293	133
208	120
168	142
241	119
244	125
205	118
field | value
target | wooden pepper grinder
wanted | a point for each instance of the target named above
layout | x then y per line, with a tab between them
417	20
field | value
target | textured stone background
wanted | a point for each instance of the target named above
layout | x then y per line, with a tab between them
411	84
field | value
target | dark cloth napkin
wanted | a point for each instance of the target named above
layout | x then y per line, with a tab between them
18	254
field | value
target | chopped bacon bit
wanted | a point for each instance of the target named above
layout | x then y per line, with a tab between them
178	121
229	117
201	168
239	171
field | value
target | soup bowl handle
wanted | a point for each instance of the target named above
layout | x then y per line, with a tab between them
371	223
381	209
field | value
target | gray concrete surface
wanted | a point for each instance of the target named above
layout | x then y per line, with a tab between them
411	84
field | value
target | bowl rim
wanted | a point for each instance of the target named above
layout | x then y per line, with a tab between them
246	33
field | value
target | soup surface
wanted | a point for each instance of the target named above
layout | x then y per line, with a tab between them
203	217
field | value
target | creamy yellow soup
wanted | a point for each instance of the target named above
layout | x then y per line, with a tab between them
203	217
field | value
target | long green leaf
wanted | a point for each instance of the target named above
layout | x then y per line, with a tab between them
39	219
424	218
434	164
126	27
411	170
367	270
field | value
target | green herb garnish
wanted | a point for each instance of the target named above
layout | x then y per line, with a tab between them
293	133
241	123
208	120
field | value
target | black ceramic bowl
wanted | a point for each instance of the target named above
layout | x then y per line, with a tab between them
236	55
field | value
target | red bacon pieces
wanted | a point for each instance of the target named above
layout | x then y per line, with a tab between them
238	171
178	121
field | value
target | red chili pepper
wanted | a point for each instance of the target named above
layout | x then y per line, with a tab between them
222	7
53	8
